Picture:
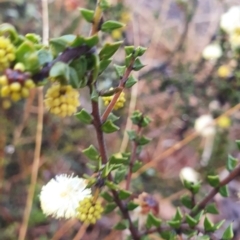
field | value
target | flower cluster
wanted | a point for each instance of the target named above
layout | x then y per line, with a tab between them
16	84
120	102
7	53
89	211
61	196
212	52
62	100
230	23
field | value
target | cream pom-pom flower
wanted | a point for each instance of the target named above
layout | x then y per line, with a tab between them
60	197
189	174
231	19
212	51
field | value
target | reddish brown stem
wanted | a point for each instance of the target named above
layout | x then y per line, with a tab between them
132	160
201	205
102	149
121	87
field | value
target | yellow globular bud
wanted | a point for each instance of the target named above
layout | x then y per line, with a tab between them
7	53
3	80
116	34
15	87
224	122
15	96
89	211
120	102
5	91
6	104
62	100
20	67
29	83
224	71
24	92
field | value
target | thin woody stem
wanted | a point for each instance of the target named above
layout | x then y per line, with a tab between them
132	160
201	205
117	95
97	19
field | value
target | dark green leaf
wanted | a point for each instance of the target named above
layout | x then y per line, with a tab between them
120	175
73	78
120	70
131	206
115	159
44	56
113	117
139	51
109	49
60	70
132	135
213	180
208	225
231	163
238	144
174	223
143	140
131	81
186	201
137	165
109	208
87	14
123	194
58	45
91	152
124	224
109	127
178	215
211	208
108	26
228	233
84	116
153	221
224	191
103	65
107	196
111	185
137	65
191	221
129	50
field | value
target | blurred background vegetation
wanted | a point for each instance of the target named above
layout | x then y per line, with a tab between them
176	87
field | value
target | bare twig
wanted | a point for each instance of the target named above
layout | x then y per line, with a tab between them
121	87
81	232
27	211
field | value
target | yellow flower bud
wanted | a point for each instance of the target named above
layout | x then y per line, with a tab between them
63	98
15	96
15	87
5	91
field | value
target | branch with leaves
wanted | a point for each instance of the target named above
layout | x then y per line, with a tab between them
73	62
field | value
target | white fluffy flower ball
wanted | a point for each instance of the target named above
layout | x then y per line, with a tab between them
231	19
61	196
204	125
212	52
189	174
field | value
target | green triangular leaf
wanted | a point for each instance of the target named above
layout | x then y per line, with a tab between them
91	152
211	208
84	116
228	233
109	26
123	194
87	14
109	127
231	163
153	221
124	224
224	191
109	49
